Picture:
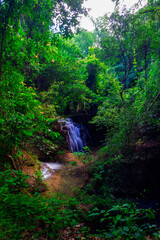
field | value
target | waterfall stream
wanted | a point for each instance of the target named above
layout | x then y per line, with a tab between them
76	134
48	168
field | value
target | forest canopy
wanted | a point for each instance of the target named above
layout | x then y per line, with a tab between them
51	68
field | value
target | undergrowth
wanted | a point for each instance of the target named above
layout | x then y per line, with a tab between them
107	216
94	209
26	216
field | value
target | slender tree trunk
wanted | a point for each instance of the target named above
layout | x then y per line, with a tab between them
127	65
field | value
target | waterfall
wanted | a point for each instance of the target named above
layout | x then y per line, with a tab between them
76	134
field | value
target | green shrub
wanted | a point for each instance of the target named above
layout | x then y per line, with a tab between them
34	215
21	115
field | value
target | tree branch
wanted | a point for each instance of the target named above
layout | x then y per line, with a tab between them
150	11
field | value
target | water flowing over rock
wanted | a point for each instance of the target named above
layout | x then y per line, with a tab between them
76	134
48	168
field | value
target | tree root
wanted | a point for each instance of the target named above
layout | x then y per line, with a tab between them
13	162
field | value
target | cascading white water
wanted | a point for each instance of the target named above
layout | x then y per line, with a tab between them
48	168
76	134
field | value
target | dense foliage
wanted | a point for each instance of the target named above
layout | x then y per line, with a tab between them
31	216
47	70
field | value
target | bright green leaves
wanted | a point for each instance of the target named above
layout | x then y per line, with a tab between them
84	41
108	111
20	112
16	102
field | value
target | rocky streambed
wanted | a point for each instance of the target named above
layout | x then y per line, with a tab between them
64	176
